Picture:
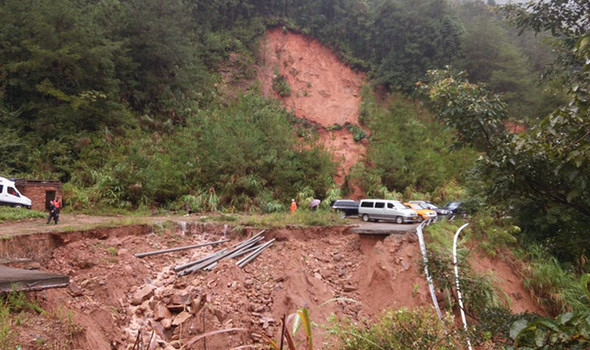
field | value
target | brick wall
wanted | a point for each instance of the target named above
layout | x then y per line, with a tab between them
37	191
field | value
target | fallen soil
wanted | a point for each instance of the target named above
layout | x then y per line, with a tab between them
118	301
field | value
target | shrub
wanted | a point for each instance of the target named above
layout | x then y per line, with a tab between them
556	288
399	329
281	86
357	132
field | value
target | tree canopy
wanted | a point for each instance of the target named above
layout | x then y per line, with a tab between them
104	94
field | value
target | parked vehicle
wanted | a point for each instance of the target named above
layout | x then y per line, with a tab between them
429	205
456	208
10	196
346	207
384	209
423	212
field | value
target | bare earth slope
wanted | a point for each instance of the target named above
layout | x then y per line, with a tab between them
117	300
323	90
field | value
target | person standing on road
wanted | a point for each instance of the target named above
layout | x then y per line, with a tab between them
314	204
293	207
54	208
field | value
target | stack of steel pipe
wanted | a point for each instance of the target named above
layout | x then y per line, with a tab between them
254	253
210	261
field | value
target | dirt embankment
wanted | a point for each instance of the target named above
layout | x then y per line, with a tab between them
116	300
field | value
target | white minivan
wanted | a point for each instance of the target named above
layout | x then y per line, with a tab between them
10	196
385	209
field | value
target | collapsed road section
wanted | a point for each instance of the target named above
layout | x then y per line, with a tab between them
14	279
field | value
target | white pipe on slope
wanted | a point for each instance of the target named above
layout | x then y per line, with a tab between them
459	297
428	278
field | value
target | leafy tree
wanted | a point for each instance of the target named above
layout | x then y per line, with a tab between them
492	53
408	148
57	68
567	331
545	168
475	113
407	39
165	66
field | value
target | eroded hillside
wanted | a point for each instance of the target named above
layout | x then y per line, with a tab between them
324	91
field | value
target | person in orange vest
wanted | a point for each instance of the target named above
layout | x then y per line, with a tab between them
293	206
54	208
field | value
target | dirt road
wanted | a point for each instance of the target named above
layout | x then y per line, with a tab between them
78	222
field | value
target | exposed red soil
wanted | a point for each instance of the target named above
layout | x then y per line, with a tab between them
504	274
116	300
323	90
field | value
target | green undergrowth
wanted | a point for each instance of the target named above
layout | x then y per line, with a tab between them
485	303
300	218
556	287
13	305
479	290
15	214
399	329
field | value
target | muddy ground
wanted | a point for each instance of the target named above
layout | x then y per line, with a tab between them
118	301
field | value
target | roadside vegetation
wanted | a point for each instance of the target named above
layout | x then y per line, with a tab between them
17	214
482	103
13	309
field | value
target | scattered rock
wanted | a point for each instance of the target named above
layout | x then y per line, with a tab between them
181	318
348	288
142	295
166	323
160	312
75	289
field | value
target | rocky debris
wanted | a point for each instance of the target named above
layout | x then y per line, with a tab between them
142	294
226	296
129	300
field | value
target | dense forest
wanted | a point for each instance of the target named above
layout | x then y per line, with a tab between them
120	101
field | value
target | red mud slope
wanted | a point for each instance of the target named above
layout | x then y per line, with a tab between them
323	90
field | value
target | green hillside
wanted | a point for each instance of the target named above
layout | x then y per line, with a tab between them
123	102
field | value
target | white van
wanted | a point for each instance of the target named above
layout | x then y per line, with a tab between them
10	196
384	209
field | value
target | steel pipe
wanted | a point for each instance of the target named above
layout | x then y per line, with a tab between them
141	255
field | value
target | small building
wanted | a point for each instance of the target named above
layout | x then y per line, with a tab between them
41	192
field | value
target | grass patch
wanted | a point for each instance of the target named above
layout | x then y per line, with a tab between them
15	214
556	288
300	218
12	305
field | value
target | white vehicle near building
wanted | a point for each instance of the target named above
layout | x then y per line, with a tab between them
10	196
385	209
